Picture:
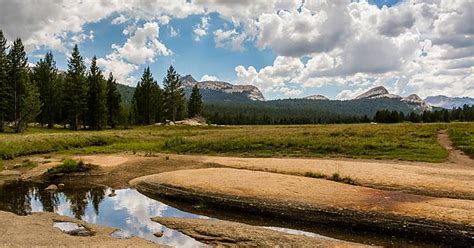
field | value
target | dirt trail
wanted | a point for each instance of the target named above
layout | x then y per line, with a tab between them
455	156
316	200
37	230
225	234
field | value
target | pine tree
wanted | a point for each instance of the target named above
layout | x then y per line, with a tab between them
26	104
4	93
46	78
147	100
195	102
173	96
113	101
97	98
75	90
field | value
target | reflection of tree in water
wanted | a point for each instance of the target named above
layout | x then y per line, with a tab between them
79	199
96	195
16	197
49	200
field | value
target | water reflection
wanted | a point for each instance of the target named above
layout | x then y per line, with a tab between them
127	210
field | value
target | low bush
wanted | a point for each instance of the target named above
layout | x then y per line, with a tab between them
71	166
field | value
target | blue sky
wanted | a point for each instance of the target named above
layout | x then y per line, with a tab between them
286	50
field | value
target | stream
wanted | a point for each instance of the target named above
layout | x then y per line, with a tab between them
130	211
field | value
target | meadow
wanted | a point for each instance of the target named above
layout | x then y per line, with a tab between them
409	142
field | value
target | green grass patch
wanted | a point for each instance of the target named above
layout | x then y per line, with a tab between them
462	135
412	142
334	177
71	166
27	164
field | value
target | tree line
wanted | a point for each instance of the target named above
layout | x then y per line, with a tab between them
81	98
464	113
287	114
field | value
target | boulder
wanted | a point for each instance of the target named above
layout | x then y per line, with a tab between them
51	187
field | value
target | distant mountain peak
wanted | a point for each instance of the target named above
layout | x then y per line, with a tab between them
316	97
376	92
250	91
381	92
189	78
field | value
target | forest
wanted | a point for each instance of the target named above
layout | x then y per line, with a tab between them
82	98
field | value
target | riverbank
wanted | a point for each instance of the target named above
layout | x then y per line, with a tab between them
316	201
37	230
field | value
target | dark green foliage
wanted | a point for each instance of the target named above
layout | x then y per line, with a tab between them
466	113
96	98
126	92
26	104
147	100
173	96
71	166
195	102
75	90
113	102
49	86
4	92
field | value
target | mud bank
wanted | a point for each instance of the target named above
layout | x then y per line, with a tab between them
37	230
317	201
225	233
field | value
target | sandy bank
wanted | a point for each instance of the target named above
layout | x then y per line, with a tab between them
37	230
316	200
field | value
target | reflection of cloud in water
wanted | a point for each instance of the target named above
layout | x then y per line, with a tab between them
131	212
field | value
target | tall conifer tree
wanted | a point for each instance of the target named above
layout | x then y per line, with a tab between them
75	90
195	102
173	96
4	92
26	104
46	78
113	101
147	100
97	98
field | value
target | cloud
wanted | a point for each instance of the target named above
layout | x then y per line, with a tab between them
422	46
144	45
270	78
229	39
209	78
119	68
200	30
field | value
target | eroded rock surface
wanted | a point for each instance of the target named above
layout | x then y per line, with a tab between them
317	201
231	234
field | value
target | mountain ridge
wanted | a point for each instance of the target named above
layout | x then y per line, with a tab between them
251	92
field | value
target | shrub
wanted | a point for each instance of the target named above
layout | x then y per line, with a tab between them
71	166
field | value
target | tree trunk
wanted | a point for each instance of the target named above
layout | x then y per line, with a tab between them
76	122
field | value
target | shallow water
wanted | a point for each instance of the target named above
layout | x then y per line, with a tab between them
130	211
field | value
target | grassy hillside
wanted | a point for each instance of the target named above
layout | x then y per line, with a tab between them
414	142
